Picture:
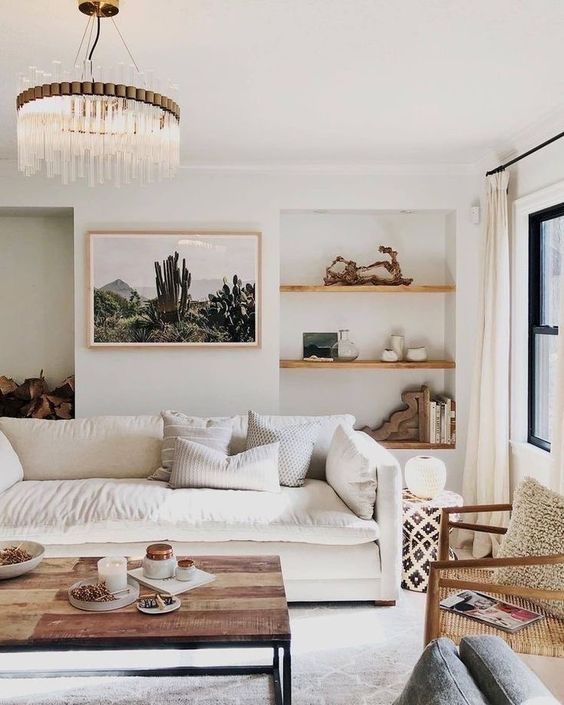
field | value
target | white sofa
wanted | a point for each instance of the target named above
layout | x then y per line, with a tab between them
85	492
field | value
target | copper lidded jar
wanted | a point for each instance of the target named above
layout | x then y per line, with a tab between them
159	562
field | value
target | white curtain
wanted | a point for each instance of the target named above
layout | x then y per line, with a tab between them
557	445
486	470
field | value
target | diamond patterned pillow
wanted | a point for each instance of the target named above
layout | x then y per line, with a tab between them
296	446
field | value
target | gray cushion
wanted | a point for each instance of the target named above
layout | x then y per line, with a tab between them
501	674
296	445
440	678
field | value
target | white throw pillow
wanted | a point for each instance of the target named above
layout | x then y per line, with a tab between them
351	470
212	433
195	465
11	470
296	446
536	529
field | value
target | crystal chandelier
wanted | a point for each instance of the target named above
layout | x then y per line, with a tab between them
100	124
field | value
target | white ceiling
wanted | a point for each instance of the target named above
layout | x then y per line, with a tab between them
319	81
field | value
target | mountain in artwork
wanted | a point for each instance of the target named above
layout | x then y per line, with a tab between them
119	287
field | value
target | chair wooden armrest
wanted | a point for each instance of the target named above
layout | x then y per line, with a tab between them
447	524
437	581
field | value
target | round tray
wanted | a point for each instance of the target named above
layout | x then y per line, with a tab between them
126	599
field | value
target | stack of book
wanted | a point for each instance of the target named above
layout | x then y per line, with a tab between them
442	420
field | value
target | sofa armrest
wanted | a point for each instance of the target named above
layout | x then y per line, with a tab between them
389	516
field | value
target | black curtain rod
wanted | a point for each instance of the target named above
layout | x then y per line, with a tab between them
502	167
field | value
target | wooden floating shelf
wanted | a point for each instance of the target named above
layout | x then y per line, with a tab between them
416	445
368	365
368	289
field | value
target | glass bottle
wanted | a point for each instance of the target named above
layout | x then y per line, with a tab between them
344	350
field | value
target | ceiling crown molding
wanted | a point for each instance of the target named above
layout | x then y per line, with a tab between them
370	169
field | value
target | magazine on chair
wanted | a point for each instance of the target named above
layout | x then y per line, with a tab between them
489	610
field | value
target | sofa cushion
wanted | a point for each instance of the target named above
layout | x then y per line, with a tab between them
77	511
536	529
440	678
195	465
351	470
207	432
500	674
11	470
100	446
295	446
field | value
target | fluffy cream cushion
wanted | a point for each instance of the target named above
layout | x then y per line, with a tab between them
536	529
351	470
11	470
194	465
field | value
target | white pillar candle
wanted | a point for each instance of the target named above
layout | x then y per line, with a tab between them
113	571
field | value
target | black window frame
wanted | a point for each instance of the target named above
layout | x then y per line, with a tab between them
535	310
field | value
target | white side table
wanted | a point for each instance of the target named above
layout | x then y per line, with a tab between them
421	524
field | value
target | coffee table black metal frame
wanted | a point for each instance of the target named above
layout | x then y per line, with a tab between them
280	670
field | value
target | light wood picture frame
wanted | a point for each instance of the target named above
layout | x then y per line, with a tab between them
174	288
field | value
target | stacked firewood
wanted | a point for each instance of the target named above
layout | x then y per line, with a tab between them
32	398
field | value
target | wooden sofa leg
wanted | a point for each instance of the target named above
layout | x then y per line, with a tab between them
385	603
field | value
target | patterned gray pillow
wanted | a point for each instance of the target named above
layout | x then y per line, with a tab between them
296	446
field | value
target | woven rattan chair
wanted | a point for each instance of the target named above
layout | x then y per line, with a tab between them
543	638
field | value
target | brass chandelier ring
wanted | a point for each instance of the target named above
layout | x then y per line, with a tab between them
97	88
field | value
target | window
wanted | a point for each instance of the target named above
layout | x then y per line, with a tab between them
546	240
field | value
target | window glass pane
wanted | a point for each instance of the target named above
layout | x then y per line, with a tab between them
545	382
552	240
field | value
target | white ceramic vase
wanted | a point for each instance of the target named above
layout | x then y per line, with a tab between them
397	344
425	476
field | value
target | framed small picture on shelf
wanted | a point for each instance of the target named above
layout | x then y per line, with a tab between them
318	345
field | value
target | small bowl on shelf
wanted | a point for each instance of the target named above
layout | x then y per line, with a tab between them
14	570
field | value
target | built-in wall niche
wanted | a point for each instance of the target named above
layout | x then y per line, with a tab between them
424	313
37	294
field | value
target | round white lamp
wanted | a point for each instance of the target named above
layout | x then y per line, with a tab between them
425	476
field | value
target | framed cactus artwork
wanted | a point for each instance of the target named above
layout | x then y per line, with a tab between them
174	288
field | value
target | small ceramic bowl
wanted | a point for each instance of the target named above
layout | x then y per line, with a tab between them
186	569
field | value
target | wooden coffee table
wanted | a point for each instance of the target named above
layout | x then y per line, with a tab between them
245	607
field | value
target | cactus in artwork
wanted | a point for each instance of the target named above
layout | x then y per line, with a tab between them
173	299
232	310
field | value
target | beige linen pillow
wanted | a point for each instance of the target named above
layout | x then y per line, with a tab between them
351	471
536	529
195	465
11	470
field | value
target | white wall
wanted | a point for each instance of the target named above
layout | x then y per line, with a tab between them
37	297
529	177
219	381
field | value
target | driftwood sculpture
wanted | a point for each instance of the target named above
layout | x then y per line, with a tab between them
407	424
345	272
172	301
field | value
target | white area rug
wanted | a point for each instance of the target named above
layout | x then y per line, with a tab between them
342	655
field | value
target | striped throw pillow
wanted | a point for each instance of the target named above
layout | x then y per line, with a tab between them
207	432
196	466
